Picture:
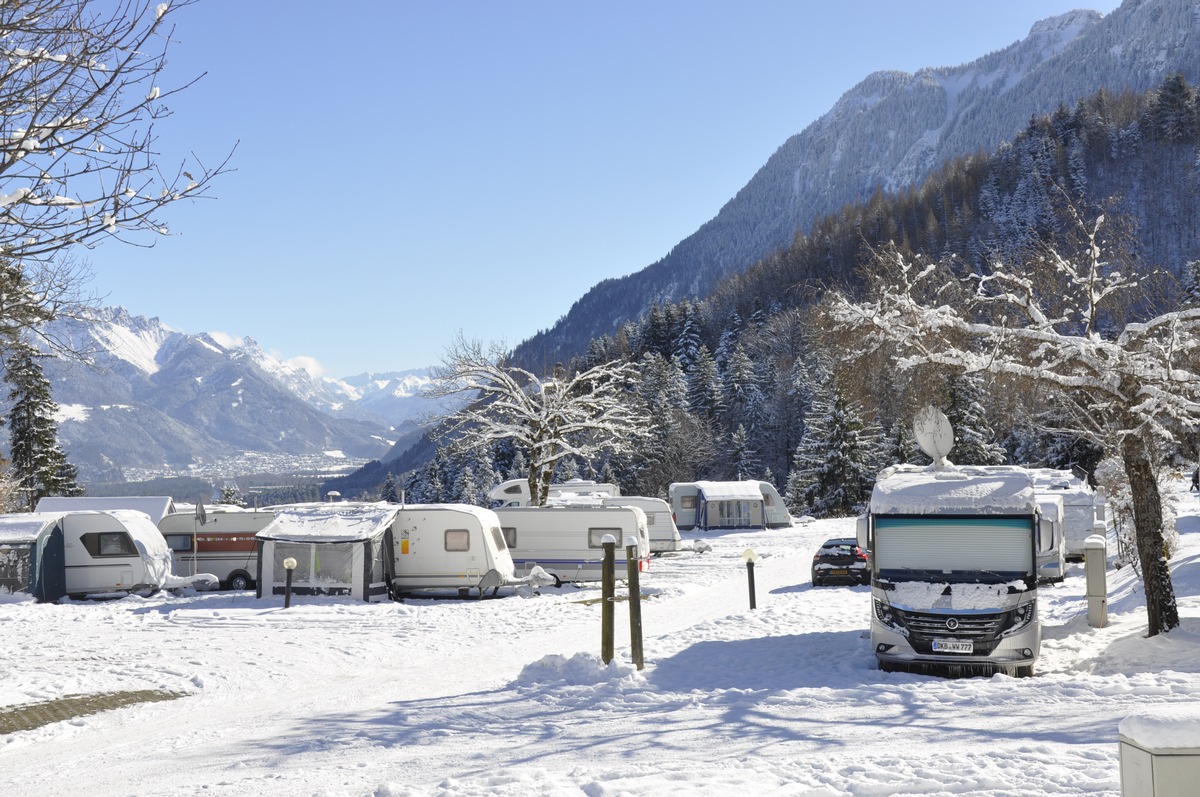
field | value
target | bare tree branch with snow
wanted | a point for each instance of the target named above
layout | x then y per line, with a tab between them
547	419
79	97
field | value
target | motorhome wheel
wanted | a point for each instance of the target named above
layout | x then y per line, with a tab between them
239	581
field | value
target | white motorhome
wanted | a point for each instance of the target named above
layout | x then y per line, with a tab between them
515	492
89	553
567	541
953	560
221	541
455	546
708	506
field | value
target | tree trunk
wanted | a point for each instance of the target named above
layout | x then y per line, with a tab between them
1161	609
535	484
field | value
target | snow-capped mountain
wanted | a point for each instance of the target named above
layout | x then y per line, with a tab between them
151	398
887	133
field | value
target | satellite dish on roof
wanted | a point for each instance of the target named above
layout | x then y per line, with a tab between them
934	434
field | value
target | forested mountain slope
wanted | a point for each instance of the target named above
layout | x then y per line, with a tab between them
889	132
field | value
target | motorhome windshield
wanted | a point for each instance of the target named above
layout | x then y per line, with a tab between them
954	550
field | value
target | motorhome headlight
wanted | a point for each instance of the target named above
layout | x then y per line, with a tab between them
1021	617
885	615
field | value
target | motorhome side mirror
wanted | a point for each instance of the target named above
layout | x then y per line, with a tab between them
864	532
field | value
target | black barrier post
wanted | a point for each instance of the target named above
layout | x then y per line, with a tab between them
751	557
289	565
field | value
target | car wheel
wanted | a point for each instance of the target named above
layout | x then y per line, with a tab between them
239	581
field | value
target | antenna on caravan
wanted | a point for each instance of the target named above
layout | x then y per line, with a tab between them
934	434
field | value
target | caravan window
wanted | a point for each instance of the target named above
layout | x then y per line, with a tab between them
513	490
498	538
510	536
179	542
109	543
687	502
649	518
596	535
458	540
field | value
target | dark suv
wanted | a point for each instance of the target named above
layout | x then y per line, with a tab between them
840	561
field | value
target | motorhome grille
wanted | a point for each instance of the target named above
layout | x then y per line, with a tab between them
976	627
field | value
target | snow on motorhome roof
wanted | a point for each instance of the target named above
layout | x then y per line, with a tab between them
911	490
330	522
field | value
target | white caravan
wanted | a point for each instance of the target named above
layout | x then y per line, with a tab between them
1052	550
456	546
375	550
155	506
515	492
954	579
1084	509
660	523
567	541
222	541
93	553
711	506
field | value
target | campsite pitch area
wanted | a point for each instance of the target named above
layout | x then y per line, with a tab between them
508	696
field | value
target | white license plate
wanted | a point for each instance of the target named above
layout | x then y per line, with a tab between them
953	646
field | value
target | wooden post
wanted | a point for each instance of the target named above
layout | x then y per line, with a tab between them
632	561
608	590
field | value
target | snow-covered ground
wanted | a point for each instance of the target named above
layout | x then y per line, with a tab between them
508	696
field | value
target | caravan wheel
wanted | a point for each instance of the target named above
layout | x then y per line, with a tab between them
239	581
557	581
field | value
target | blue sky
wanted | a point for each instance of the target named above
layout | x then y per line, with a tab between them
408	170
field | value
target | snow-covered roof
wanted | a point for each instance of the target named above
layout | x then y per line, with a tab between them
486	517
956	489
24	527
730	491
330	522
1051	505
156	506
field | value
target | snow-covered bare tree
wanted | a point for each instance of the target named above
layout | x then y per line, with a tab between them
1058	322
547	419
79	96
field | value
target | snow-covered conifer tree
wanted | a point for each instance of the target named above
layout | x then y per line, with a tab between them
39	464
974	441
